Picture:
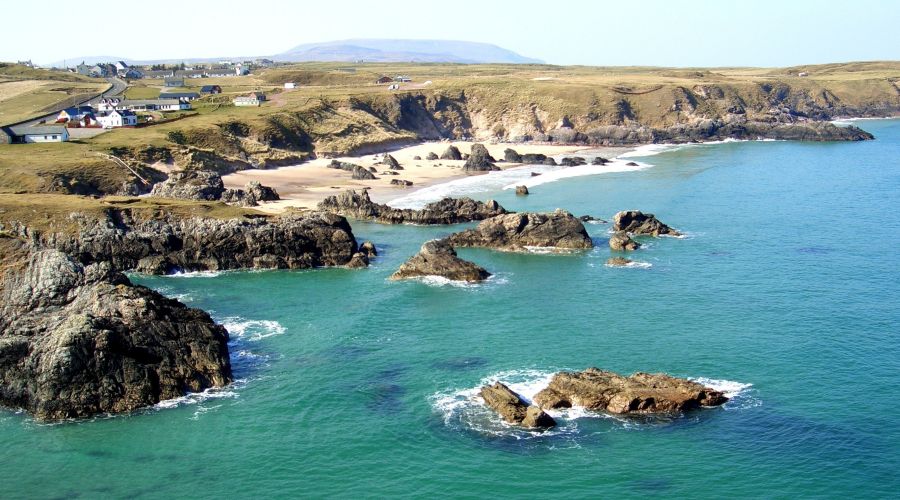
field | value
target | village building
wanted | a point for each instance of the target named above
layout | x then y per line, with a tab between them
253	99
402	79
123	118
44	133
113	103
173	82
384	79
220	72
73	114
190	73
210	89
290	85
132	73
159	73
181	96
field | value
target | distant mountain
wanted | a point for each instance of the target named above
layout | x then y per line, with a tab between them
369	50
386	50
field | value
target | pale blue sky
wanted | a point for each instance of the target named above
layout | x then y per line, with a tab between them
630	32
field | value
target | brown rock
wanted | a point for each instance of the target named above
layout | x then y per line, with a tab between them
515	232
438	258
637	222
522	190
621	241
618	261
512	408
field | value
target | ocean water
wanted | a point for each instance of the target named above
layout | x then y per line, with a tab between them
784	293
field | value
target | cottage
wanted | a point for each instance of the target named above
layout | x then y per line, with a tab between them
290	85
192	73
46	133
83	69
219	72
174	82
210	89
181	96
124	118
254	99
384	79
132	73
402	79
73	114
113	103
159	73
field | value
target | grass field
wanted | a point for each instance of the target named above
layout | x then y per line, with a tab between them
26	92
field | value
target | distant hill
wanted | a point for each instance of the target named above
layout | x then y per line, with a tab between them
385	50
369	50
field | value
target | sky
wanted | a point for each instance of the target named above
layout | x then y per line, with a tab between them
631	32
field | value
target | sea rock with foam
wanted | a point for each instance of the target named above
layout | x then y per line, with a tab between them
621	241
358	205
637	222
513	409
518	232
438	258
640	393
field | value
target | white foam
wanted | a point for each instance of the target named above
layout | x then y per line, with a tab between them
440	281
196	274
613	166
633	265
252	330
740	395
192	398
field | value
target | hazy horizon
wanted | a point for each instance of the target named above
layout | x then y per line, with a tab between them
700	33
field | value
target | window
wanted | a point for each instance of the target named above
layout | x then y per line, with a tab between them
56	137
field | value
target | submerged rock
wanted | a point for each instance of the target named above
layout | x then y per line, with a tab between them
356	204
452	153
515	232
621	241
618	261
77	341
512	408
522	190
480	160
641	393
438	258
637	222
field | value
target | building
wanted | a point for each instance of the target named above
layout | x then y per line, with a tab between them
181	96
83	69
174	81
121	67
210	89
290	85
44	133
402	79
159	73
384	79
132	73
249	100
190	73
124	118
220	72
73	114
117	104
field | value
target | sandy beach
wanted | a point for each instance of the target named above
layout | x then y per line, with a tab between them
304	186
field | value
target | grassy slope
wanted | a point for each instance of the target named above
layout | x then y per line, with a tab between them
336	110
43	90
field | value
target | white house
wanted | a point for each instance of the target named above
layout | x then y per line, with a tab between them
113	103
47	133
124	118
290	85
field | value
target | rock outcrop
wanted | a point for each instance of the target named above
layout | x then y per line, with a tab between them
641	393
637	222
517	232
77	341
401	183
512	156
201	185
480	160
391	162
362	174
452	153
573	161
431	156
513	409
357	205
522	190
620	241
438	258
618	262
250	196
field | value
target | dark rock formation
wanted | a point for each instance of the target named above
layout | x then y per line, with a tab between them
359	260
360	173
512	156
79	340
200	185
480	160
573	161
438	258
599	161
452	153
342	165
621	241
549	161
391	162
522	190
356	204
431	156
250	196
535	159
631	164
618	261
401	182
417	158
369	249
640	393
637	222
512	408
535	174
591	218
515	232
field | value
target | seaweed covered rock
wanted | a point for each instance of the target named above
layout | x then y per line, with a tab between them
513	409
438	258
641	393
637	222
519	231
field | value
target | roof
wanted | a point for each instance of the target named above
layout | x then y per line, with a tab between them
153	102
177	95
121	112
246	98
208	88
42	130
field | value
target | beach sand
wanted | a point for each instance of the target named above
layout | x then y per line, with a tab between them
304	186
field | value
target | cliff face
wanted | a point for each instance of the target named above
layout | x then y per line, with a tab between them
77	338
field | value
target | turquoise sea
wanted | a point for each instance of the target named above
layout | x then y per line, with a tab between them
785	293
